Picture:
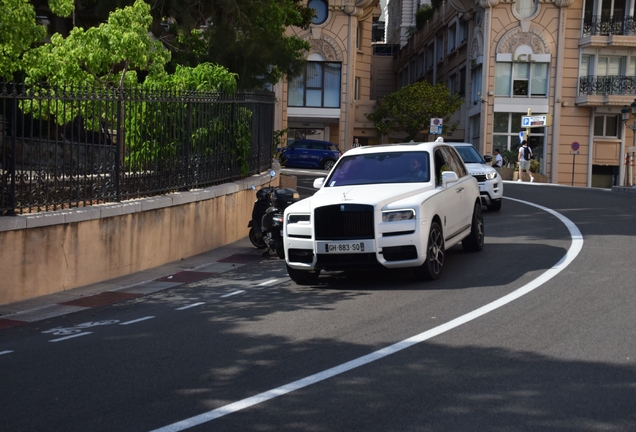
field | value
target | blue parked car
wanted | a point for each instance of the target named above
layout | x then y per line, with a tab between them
308	153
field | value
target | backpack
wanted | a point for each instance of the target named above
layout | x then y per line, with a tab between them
527	153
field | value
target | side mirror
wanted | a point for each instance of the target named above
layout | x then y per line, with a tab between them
488	158
449	177
319	182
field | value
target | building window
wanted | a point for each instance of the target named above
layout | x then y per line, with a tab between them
452	34
525	8
322	11
358	32
420	64
430	57
451	83
462	81
440	47
463	32
356	89
475	79
506	128
521	79
318	86
606	126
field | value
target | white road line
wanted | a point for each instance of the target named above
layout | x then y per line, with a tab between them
573	251
137	320
233	293
5	352
71	336
190	306
269	282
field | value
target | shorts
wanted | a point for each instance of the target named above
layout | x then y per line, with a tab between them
524	165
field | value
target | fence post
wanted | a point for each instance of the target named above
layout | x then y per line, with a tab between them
119	150
186	152
13	155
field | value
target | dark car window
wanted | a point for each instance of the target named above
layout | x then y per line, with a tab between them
389	167
470	154
301	144
333	147
317	146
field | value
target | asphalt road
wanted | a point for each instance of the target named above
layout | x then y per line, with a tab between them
249	350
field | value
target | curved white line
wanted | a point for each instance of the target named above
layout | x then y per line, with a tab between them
573	251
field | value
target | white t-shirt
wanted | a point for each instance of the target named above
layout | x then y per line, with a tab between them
499	160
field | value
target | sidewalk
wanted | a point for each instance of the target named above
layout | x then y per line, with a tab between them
149	281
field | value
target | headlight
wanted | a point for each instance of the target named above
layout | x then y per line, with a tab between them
490	176
296	218
398	215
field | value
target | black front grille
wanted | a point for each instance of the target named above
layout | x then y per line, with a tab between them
480	178
344	222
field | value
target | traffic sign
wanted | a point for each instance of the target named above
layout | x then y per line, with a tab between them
575	152
575	145
535	121
436	126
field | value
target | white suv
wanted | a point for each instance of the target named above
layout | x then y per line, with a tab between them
393	206
490	183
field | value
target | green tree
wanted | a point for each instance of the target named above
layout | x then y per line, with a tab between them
411	108
245	36
19	30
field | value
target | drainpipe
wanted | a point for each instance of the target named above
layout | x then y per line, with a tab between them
556	107
485	66
348	140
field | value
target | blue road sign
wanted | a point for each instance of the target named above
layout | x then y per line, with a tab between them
525	121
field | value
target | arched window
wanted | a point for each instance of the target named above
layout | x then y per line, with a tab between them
525	8
322	10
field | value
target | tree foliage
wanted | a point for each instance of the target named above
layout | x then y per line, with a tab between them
245	36
19	30
411	108
106	56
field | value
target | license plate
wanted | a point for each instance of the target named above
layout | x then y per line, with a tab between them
345	247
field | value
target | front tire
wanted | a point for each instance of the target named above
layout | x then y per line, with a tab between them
259	243
475	240
303	277
495	205
435	253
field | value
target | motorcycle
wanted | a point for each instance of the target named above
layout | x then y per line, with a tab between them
266	225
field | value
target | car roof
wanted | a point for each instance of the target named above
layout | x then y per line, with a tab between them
400	147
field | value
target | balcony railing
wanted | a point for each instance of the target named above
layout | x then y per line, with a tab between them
603	26
607	85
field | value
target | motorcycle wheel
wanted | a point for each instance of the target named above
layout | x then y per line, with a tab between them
259	243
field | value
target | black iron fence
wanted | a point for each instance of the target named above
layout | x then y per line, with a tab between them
607	85
64	148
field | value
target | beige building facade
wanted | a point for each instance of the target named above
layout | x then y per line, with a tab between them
567	68
330	99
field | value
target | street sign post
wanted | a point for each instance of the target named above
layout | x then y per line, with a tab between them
530	121
575	150
436	126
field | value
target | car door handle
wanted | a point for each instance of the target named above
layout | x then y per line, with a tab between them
459	189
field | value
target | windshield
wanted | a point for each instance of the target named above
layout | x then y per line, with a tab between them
370	168
469	154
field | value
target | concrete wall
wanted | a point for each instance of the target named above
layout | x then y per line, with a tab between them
55	251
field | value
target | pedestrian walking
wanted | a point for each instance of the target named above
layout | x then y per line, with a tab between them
524	157
498	159
356	143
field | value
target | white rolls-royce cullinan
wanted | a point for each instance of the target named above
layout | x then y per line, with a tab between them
396	205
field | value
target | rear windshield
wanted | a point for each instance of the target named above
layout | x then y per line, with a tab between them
394	167
470	154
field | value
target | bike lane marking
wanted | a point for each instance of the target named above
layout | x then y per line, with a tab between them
233	293
6	352
570	255
71	336
190	306
137	320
